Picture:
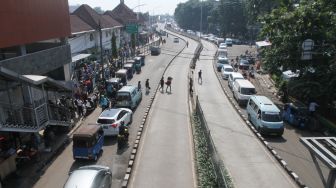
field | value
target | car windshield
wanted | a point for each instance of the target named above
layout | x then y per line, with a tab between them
123	96
228	70
223	61
271	117
247	91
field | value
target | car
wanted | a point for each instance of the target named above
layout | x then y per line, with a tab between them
222	46
91	176
228	41
233	77
222	61
226	71
176	40
244	64
111	119
155	50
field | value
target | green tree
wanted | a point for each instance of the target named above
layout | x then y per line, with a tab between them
114	46
232	18
287	27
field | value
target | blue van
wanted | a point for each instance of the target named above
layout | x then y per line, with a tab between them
264	115
88	142
128	97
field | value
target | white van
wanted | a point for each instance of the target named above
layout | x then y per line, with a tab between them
233	77
128	97
243	90
222	52
264	115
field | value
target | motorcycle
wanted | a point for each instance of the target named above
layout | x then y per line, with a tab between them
122	137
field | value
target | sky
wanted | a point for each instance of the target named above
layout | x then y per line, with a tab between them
151	6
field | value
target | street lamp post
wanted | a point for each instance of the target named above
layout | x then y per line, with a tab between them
201	18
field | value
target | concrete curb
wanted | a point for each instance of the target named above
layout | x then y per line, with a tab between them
131	161
282	162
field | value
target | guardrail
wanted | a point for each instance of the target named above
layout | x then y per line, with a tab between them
216	161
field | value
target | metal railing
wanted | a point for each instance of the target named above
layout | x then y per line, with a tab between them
217	163
23	117
16	116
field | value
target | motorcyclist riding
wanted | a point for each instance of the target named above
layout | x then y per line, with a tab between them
123	135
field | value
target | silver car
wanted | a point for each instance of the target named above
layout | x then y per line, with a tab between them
111	119
92	176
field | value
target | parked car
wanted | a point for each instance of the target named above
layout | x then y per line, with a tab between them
92	176
176	40
222	46
228	41
226	71
233	77
222	61
111	119
264	115
155	50
243	90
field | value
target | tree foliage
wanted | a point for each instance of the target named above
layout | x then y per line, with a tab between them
287	27
188	15
232	18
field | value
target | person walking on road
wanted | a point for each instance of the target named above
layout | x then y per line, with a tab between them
168	83
200	76
147	86
187	44
139	85
161	84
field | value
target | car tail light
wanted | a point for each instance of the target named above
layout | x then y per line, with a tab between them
114	125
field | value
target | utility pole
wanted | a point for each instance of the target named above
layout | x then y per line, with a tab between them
101	50
201	18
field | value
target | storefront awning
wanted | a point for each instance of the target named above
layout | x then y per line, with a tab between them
263	44
80	57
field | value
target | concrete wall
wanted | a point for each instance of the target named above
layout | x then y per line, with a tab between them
40	62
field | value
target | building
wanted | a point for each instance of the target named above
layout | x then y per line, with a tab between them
33	52
124	15
34	34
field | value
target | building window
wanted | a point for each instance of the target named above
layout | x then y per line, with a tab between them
91	37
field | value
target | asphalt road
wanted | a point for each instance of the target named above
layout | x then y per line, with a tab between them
288	146
57	172
166	156
246	159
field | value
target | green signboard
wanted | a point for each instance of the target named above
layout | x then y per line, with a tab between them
132	28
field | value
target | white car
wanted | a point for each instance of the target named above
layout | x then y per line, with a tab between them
176	40
222	46
111	119
233	77
226	71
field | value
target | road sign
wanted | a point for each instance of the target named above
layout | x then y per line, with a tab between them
132	28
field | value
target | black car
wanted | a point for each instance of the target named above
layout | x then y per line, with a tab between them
155	50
